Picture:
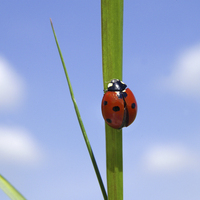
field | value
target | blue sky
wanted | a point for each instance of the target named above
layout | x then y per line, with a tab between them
42	151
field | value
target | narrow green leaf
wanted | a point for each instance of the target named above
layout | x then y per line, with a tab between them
112	34
10	190
80	121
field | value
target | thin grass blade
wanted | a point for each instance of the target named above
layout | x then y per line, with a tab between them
10	190
80	121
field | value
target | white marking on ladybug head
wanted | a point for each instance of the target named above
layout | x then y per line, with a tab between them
110	85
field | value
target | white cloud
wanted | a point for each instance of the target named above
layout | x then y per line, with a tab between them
18	146
170	158
185	76
12	87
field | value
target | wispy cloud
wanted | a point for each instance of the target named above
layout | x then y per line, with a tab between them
184	78
169	159
17	146
12	87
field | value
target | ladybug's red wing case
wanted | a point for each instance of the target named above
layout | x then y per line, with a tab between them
113	109
131	106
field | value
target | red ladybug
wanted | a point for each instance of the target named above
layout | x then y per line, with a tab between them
119	107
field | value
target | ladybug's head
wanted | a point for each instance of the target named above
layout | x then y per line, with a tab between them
116	85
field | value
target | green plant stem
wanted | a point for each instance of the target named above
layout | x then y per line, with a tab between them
80	122
112	34
10	190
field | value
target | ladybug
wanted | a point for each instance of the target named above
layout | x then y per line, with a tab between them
119	107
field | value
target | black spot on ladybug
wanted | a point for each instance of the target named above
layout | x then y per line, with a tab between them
125	94
109	120
116	108
133	105
105	103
